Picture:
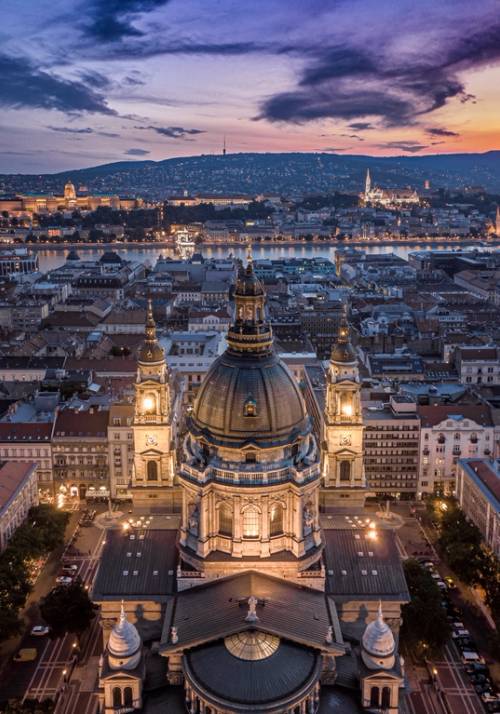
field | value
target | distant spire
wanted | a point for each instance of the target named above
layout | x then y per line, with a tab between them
224	146
368	182
249	252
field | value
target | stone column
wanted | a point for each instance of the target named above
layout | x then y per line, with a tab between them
237	530
265	546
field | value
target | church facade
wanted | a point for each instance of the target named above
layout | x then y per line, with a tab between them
251	605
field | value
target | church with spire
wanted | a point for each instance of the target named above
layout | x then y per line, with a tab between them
154	422
251	604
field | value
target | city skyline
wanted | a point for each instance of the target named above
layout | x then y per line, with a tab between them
153	79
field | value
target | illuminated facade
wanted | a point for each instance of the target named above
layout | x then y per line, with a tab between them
387	197
343	470
69	201
153	425
250	476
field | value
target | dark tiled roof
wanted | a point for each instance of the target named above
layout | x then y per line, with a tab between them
487	475
13	475
487	353
28	362
377	572
249	682
432	415
155	566
72	422
288	610
27	432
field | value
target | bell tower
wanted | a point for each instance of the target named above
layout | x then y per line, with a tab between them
344	483
154	452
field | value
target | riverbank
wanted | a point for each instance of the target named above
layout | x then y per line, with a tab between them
170	245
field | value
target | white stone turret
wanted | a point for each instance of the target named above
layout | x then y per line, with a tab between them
378	645
124	644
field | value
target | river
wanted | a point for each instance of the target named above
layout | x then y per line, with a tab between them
50	259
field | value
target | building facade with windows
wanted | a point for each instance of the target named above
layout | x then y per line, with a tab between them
18	493
478	493
447	434
30	442
80	453
391	447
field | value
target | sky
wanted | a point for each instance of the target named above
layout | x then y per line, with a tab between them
85	82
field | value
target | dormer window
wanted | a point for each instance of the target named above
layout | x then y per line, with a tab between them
250	407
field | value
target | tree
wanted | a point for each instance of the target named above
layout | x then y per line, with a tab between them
10	624
68	608
425	629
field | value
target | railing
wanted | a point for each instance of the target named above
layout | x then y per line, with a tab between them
262	477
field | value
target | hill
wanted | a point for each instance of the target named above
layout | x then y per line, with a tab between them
284	173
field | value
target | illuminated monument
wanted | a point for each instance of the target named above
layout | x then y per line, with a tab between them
343	469
153	426
251	605
250	476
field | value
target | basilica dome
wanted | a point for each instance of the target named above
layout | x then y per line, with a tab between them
249	398
248	395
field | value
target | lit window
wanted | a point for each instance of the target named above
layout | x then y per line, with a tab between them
251	519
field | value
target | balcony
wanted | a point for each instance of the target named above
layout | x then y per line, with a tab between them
249	478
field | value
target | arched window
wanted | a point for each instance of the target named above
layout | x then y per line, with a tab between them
386	697
345	470
251	522
127	697
374	697
152	471
117	697
276	524
225	520
346	405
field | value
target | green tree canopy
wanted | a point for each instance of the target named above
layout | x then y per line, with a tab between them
68	608
425	628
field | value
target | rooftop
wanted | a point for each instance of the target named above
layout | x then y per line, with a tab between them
363	566
13	476
486	474
137	563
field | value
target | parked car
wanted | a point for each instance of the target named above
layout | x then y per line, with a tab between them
458	633
64	580
476	668
40	630
70	569
468	656
27	654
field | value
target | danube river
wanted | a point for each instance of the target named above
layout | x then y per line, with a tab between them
149	253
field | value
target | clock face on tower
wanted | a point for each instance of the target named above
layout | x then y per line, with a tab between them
151	440
345	439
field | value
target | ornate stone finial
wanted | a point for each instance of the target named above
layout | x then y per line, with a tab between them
252	609
179	570
174	637
329	635
123	614
380	614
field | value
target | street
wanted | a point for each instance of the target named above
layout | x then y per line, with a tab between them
60	669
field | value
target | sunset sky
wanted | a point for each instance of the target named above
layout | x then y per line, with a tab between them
92	81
